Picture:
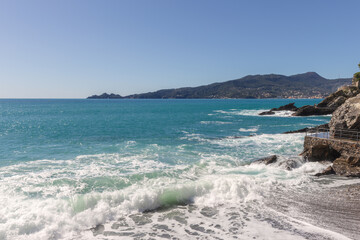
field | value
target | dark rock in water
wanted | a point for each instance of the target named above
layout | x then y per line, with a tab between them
289	164
323	126
267	160
267	113
287	107
98	229
313	110
328	171
348	166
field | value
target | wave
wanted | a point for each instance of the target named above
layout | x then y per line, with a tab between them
254	129
252	112
215	122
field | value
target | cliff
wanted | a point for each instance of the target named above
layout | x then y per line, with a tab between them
342	144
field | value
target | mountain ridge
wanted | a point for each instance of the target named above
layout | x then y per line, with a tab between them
303	85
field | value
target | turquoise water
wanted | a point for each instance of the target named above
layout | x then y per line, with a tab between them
63	129
67	166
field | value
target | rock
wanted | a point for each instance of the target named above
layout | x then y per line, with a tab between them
337	98
287	107
328	171
347	116
348	166
289	164
320	152
313	110
323	126
267	160
267	113
98	229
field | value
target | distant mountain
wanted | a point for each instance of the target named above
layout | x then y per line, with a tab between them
306	85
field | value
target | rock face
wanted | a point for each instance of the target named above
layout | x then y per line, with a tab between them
337	98
330	103
347	166
287	107
344	154
347	116
313	110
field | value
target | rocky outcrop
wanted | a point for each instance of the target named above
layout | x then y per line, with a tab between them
328	171
345	155
267	113
348	166
267	160
307	129
309	110
316	149
284	163
287	107
337	98
347	116
330	103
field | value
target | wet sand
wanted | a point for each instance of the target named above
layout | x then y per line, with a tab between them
336	208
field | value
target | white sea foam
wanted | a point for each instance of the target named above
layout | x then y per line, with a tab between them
252	129
215	122
63	199
255	113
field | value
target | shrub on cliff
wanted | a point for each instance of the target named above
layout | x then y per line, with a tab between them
356	78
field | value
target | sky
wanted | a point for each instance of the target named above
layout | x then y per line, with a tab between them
77	48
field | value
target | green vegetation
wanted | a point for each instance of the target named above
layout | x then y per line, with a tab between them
304	85
357	75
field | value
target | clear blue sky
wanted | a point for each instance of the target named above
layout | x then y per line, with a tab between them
73	48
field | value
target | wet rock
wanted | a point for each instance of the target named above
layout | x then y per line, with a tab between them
289	164
323	126
266	160
267	113
287	107
348	166
328	171
313	110
98	229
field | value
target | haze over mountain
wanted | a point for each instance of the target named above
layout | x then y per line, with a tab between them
306	85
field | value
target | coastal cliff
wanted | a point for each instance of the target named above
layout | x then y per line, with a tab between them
341	144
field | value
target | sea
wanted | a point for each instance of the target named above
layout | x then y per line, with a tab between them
156	169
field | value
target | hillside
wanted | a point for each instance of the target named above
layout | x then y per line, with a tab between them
306	85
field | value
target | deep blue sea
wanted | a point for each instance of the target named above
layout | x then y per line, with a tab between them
142	169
